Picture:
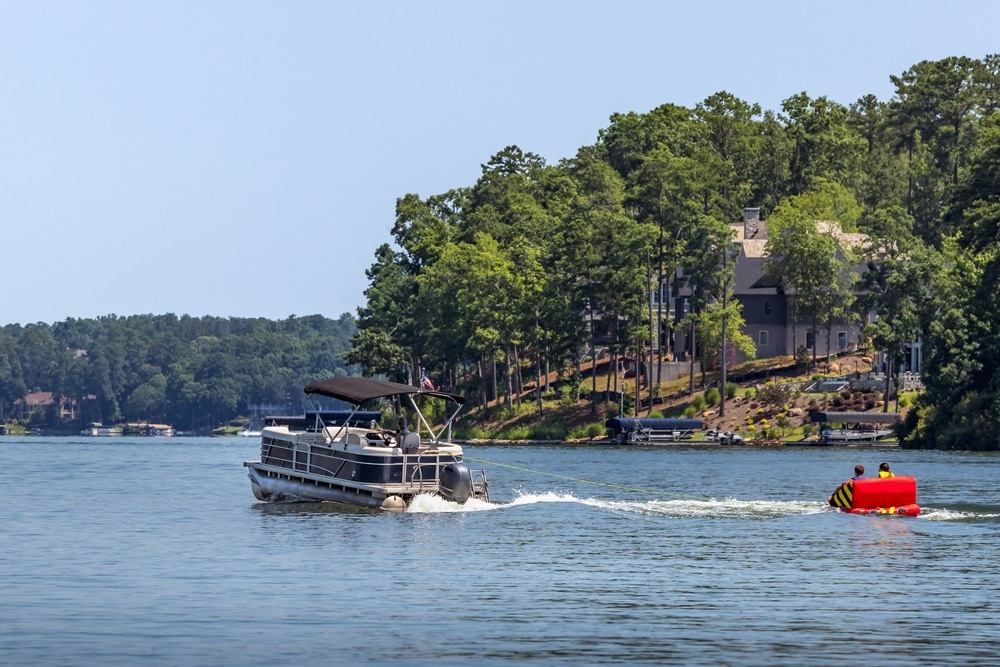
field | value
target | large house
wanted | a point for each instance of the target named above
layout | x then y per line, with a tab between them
766	306
42	400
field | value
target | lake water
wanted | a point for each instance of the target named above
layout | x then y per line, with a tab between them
154	552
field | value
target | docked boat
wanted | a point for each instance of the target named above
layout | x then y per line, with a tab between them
102	430
858	426
637	430
888	495
347	458
854	434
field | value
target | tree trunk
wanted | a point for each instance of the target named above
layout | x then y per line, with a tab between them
638	371
538	383
612	368
652	330
493	379
548	371
722	354
815	337
593	360
795	339
829	335
693	347
888	382
483	399
509	380
518	380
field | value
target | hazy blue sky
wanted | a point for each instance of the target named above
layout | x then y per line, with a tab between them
243	158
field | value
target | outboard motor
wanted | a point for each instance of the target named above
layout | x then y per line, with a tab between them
456	482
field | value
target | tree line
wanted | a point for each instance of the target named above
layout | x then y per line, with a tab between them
191	372
489	286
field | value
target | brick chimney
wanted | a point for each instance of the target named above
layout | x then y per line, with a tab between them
751	222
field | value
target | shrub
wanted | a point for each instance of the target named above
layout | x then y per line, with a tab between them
516	432
547	431
730	389
690	411
712	396
655	414
698	403
774	394
471	433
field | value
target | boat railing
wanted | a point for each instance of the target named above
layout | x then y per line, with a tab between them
420	469
655	434
413	472
480	487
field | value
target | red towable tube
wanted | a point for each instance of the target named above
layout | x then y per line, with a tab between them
888	495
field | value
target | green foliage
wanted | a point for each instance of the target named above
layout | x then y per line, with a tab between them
189	372
515	432
690	411
589	431
529	265
774	395
712	396
629	404
826	200
698	402
959	409
549	431
731	388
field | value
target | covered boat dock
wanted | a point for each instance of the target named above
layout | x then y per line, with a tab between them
857	426
652	429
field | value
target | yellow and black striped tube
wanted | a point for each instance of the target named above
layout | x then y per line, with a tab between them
843	497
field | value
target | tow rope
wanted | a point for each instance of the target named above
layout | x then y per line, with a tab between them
588	481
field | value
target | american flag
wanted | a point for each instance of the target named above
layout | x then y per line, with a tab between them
426	383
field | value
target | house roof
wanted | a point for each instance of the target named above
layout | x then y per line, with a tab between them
749	271
39	398
847	240
755	247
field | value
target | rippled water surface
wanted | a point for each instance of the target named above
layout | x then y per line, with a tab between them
154	552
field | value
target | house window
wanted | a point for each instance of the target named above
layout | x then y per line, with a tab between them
659	296
810	340
762	339
767	307
841	340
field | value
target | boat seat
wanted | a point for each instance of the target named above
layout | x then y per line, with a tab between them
411	443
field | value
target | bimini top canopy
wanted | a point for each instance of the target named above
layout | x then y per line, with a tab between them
357	390
855	417
656	423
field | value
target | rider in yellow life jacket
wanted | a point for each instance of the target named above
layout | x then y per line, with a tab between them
883	471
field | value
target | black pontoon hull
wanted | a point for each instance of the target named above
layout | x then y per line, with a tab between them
273	486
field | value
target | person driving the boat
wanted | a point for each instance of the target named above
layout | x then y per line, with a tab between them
859	472
883	471
401	429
